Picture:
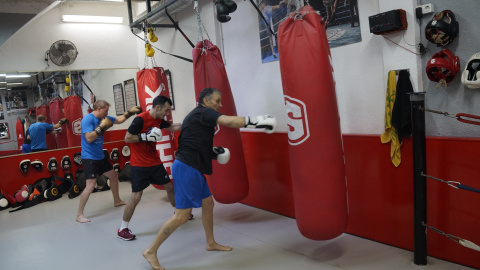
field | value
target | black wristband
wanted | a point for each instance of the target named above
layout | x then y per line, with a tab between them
99	131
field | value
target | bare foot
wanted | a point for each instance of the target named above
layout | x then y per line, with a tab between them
219	247
82	219
120	203
152	260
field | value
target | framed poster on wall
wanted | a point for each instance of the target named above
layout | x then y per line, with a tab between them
118	98
170	87
130	93
1	109
4	134
16	100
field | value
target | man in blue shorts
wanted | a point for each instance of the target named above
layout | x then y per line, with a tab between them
38	132
193	160
145	165
94	160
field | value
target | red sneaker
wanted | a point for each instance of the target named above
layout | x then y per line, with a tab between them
125	234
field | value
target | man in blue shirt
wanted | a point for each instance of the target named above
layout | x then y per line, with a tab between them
38	132
94	160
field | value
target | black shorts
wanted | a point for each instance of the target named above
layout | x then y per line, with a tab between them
142	177
92	168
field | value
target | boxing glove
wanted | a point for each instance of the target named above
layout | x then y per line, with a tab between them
222	12
153	135
149	51
63	121
268	122
221	154
230	4
151	35
132	111
105	124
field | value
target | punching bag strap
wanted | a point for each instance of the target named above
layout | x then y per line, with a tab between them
200	26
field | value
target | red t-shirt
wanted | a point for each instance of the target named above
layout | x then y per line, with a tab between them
145	154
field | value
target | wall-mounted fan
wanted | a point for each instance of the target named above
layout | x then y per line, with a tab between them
62	53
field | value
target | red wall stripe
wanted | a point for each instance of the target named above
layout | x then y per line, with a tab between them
380	195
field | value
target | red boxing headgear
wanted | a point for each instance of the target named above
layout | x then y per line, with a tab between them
444	65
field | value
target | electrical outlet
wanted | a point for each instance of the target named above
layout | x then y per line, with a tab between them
427	8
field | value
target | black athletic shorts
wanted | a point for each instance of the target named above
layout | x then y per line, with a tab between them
142	177
92	168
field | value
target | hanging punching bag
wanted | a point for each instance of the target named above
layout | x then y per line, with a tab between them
151	83
44	110
20	133
73	112
228	182
56	112
314	135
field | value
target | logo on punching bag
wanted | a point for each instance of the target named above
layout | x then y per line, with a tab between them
151	95
297	121
77	126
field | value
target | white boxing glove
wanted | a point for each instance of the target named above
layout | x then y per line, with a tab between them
221	154
153	135
267	121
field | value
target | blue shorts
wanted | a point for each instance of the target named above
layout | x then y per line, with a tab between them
26	148
142	177
190	186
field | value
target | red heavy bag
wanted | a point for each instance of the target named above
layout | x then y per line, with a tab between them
20	133
229	182
56	112
315	142
44	110
73	112
150	84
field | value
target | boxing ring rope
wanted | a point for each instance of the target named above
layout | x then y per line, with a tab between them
455	239
453	184
417	100
459	116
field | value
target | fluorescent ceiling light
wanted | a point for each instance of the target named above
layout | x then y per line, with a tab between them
18	76
91	19
16	83
3	88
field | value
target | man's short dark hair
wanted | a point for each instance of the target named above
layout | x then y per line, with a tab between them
161	100
207	93
41	118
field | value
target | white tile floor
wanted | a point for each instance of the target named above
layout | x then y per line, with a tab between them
47	236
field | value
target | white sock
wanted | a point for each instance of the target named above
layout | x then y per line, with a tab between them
124	225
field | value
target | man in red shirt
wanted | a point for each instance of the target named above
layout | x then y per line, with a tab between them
146	166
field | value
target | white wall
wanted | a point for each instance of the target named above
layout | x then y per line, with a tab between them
360	68
100	46
108	52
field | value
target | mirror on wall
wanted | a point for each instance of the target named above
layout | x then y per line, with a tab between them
22	92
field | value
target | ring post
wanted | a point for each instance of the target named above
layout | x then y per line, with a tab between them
417	100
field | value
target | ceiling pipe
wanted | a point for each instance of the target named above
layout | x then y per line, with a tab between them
156	13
